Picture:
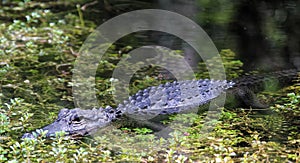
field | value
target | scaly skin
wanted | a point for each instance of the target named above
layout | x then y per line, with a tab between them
165	99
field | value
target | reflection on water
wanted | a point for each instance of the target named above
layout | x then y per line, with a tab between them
264	34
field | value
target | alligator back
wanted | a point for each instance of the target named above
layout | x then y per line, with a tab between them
173	97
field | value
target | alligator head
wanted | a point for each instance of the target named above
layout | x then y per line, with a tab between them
77	122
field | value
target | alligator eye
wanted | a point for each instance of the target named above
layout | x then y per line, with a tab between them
76	120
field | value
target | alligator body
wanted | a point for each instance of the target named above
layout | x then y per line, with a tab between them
164	99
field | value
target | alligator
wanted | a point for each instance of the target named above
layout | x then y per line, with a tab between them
170	98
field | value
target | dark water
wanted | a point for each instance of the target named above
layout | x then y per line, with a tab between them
264	33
